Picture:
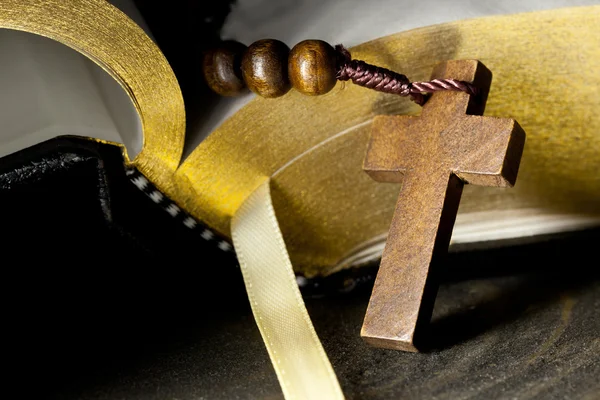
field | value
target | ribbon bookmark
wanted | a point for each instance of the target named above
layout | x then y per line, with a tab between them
301	365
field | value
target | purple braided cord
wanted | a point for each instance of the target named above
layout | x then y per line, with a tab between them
384	80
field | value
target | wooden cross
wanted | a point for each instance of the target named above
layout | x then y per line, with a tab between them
433	156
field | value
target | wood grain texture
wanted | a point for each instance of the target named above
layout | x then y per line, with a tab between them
264	68
545	76
433	156
221	68
312	67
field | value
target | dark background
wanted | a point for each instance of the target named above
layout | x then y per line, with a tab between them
107	297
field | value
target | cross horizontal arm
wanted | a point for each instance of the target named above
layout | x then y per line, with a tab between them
392	148
489	150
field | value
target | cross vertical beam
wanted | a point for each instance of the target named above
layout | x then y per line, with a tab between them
433	156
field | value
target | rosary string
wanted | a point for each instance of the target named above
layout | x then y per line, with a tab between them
270	69
384	80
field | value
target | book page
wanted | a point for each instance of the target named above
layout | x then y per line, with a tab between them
350	22
49	90
313	148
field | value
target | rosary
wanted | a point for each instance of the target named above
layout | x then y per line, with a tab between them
269	68
433	155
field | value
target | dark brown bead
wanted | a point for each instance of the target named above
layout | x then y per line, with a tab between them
312	67
221	69
264	68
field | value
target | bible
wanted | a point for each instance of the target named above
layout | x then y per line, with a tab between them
331	215
312	149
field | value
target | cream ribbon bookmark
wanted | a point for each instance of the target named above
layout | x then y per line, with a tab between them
302	367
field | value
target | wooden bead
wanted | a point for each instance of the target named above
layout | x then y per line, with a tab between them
312	67
264	68
221	69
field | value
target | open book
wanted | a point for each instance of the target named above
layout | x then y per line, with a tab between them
332	215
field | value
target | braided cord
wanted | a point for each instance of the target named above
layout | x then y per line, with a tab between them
386	81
